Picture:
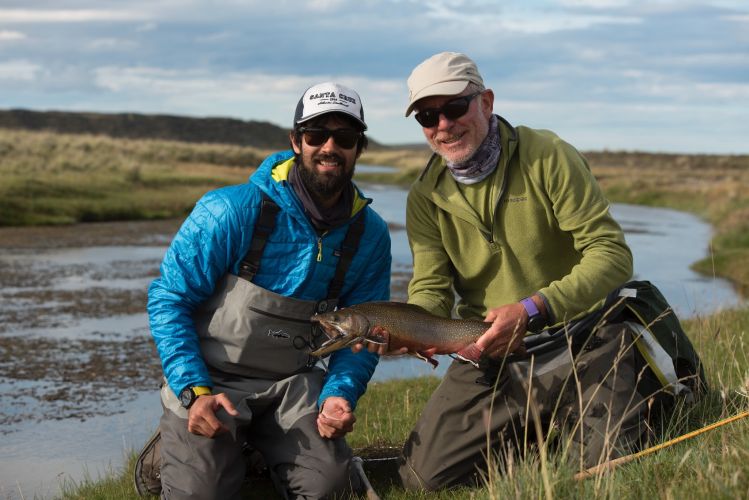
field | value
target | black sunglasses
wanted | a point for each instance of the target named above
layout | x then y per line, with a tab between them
344	137
452	109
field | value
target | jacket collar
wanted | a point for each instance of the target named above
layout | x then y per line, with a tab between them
272	177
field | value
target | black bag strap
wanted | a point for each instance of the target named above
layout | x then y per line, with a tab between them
346	253
578	331
266	222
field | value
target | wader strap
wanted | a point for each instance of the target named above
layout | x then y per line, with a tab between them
345	256
264	225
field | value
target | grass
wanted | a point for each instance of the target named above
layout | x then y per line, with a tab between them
62	179
712	465
50	179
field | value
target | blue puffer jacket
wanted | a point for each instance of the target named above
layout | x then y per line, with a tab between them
296	262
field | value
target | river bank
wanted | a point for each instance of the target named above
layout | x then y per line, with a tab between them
59	179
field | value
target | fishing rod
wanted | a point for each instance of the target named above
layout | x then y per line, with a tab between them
611	464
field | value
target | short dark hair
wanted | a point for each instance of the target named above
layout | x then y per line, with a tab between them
318	121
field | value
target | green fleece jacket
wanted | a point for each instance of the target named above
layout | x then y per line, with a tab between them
547	229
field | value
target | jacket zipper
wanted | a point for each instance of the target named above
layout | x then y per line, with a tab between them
502	189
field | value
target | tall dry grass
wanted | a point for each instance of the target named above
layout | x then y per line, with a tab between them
50	178
710	465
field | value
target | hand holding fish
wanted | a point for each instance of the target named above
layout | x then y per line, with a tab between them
335	418
381	347
398	328
505	335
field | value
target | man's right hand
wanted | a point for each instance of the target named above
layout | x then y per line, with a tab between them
201	417
505	336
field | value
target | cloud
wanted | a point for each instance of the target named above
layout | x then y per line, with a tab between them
18	70
738	18
224	86
324	5
111	44
11	35
69	15
595	4
247	95
521	20
146	27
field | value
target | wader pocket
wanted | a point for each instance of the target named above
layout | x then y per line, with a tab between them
249	331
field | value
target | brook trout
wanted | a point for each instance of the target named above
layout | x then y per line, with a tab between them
409	326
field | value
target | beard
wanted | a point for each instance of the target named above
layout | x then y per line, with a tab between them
455	158
323	186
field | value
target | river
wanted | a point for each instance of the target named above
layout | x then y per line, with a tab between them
78	372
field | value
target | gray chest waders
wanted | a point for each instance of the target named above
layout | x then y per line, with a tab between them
249	331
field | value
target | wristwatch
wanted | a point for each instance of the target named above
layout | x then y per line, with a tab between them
536	320
189	394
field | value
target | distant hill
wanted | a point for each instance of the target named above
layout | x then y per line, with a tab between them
139	126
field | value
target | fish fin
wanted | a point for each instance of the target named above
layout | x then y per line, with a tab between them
375	340
470	353
424	357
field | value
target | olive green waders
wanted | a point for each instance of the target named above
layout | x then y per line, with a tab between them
472	408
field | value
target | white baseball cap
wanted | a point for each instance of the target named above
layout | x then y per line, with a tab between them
329	97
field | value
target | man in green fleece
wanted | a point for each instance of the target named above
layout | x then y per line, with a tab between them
511	223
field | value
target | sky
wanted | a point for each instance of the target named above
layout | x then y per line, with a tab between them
653	75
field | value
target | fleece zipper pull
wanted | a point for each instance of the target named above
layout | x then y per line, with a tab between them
319	249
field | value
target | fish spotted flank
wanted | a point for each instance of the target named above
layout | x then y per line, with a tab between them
409	326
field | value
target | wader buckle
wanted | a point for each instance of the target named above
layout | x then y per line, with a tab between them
325	305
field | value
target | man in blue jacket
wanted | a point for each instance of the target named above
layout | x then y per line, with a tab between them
230	314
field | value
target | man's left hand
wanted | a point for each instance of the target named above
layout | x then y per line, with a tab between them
335	418
382	348
506	334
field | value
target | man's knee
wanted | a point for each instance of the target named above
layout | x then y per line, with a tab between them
411	479
431	476
197	488
298	481
198	467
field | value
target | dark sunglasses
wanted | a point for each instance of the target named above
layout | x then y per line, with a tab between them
452	109
344	137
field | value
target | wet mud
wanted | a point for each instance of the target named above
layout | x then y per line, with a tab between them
73	337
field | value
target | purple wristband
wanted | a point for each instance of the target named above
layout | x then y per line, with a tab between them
530	307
